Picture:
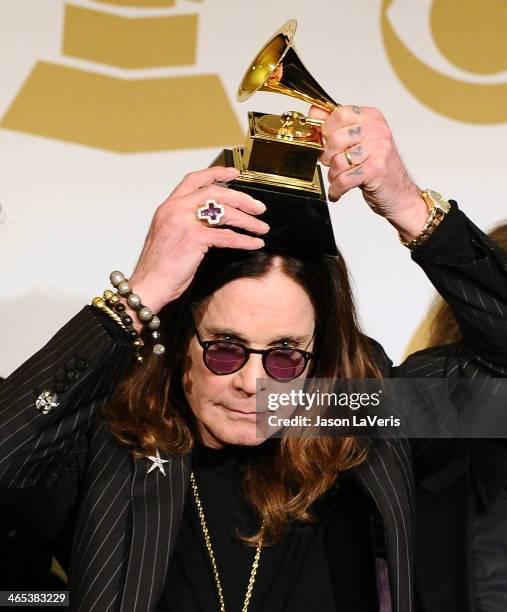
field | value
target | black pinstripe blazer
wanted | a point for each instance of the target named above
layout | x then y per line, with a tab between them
63	471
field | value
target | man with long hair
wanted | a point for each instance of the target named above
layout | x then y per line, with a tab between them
174	501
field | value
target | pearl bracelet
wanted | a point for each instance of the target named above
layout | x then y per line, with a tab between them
144	314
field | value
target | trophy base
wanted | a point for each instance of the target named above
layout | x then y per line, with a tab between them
314	186
299	220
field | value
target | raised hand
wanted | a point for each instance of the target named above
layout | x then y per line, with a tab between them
177	240
360	152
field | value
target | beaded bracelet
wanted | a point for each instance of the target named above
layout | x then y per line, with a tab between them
144	314
125	322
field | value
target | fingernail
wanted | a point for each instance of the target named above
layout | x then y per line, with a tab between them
260	242
260	205
265	226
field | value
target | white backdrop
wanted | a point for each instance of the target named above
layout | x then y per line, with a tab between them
72	213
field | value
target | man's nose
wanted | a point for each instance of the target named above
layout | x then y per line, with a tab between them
246	378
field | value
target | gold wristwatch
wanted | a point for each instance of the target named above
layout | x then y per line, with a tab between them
438	207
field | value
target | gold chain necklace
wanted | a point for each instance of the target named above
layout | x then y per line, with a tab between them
207	540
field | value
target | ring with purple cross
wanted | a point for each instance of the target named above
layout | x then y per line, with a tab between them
211	212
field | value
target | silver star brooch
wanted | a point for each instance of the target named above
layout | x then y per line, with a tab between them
157	463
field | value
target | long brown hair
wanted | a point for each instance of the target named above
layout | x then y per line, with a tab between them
444	328
149	411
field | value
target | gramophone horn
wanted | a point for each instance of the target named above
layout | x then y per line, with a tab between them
277	68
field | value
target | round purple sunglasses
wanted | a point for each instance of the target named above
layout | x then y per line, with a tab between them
228	356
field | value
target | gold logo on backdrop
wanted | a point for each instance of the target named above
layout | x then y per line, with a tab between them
139	3
470	34
132	114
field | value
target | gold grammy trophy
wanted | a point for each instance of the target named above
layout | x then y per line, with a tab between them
279	161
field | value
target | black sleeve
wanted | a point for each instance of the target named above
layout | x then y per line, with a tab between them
45	453
470	273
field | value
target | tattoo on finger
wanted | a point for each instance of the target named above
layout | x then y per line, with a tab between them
357	172
355	131
356	110
357	151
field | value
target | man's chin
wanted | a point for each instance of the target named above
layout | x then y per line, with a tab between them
247	435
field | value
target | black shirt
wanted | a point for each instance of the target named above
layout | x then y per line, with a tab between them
325	566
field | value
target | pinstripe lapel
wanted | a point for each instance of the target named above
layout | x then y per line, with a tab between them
157	507
126	528
102	531
387	479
